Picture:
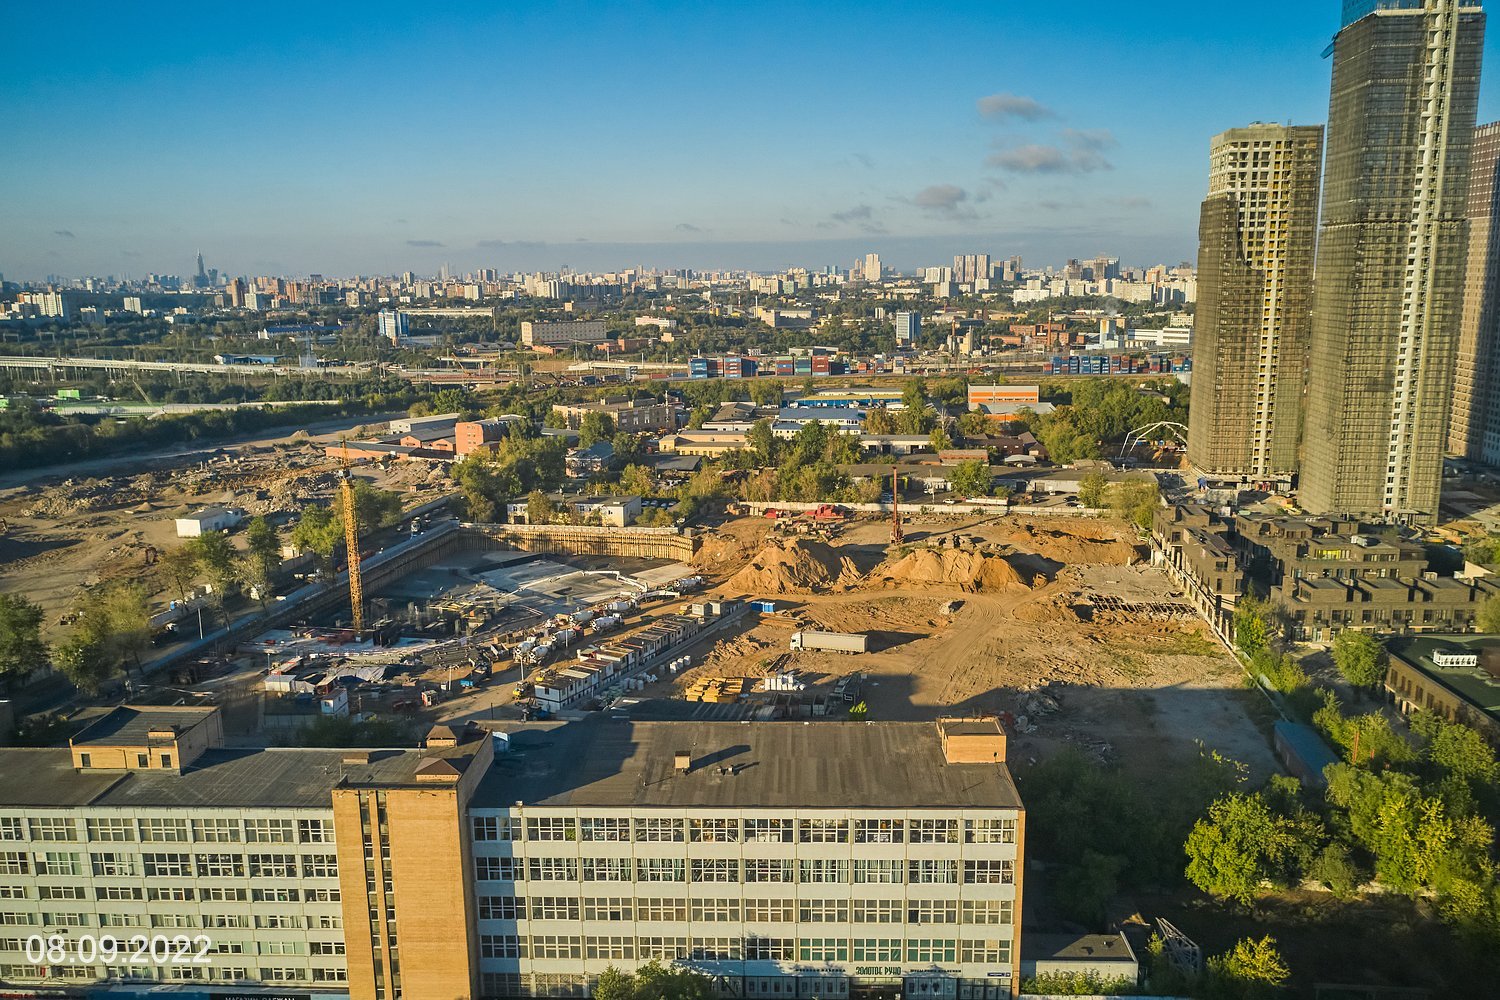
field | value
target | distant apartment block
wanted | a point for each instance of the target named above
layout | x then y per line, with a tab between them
394	326
630	416
562	333
908	327
1256	236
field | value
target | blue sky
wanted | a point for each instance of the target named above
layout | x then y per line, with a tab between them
373	138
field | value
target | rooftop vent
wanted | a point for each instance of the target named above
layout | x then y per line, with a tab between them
683	761
356	757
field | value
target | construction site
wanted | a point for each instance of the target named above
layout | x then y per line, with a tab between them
1054	623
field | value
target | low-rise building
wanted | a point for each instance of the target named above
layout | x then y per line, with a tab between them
630	416
708	444
471	435
209	519
1457	677
563	333
1108	957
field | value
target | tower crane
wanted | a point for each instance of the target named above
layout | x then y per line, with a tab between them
351	540
896	534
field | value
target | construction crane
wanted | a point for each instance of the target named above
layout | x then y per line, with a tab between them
351	539
896	535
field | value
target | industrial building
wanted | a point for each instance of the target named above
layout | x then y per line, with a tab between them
630	416
563	333
781	859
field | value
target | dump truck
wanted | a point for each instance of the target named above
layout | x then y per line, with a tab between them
837	642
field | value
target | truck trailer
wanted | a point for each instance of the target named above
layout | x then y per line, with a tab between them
838	642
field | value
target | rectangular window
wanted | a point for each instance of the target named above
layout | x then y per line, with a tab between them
501	908
489	869
553	907
69	919
118	892
170	894
716	870
325	947
320	866
613	948
221	866
932	911
17	863
716	909
494	828
161	830
325	922
823	831
769	831
173	920
314	831
111	829
879	872
53	828
225	921
224	894
608	908
989	872
15	892
10	828
614	829
555	946
986	952
760	949
281	974
817	870
929	872
823	911
770	911
658	831
876	950
59	863
931	950
823	950
879	831
279	921
987	911
330	975
216	831
661	909
553	869
714	831
499	946
721	949
321	895
60	892
551	828
660	870
879	911
274	895
990	831
606	869
934	831
269	831
661	949
769	870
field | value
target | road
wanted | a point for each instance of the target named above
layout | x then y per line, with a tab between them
137	462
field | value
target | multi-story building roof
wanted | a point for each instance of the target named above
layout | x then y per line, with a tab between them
785	859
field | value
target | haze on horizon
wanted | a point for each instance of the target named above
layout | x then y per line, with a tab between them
373	139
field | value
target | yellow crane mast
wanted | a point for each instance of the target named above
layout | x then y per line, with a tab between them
351	542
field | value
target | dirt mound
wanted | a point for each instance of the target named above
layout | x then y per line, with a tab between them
968	570
796	567
1078	543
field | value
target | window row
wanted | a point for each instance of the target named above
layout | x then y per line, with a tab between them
166	830
806	871
162	865
820	949
750	830
616	909
211	921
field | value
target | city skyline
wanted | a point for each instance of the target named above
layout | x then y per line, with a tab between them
237	141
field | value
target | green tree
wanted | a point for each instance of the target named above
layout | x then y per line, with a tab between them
1252	969
1252	625
1077	984
1456	748
319	531
262	556
219	561
765	392
762	441
113	629
1239	846
879	421
594	427
21	647
637	479
939	440
653	981
539	508
1487	620
1092	490
1361	659
914	394
1135	502
178	568
971	479
974	424
916	420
